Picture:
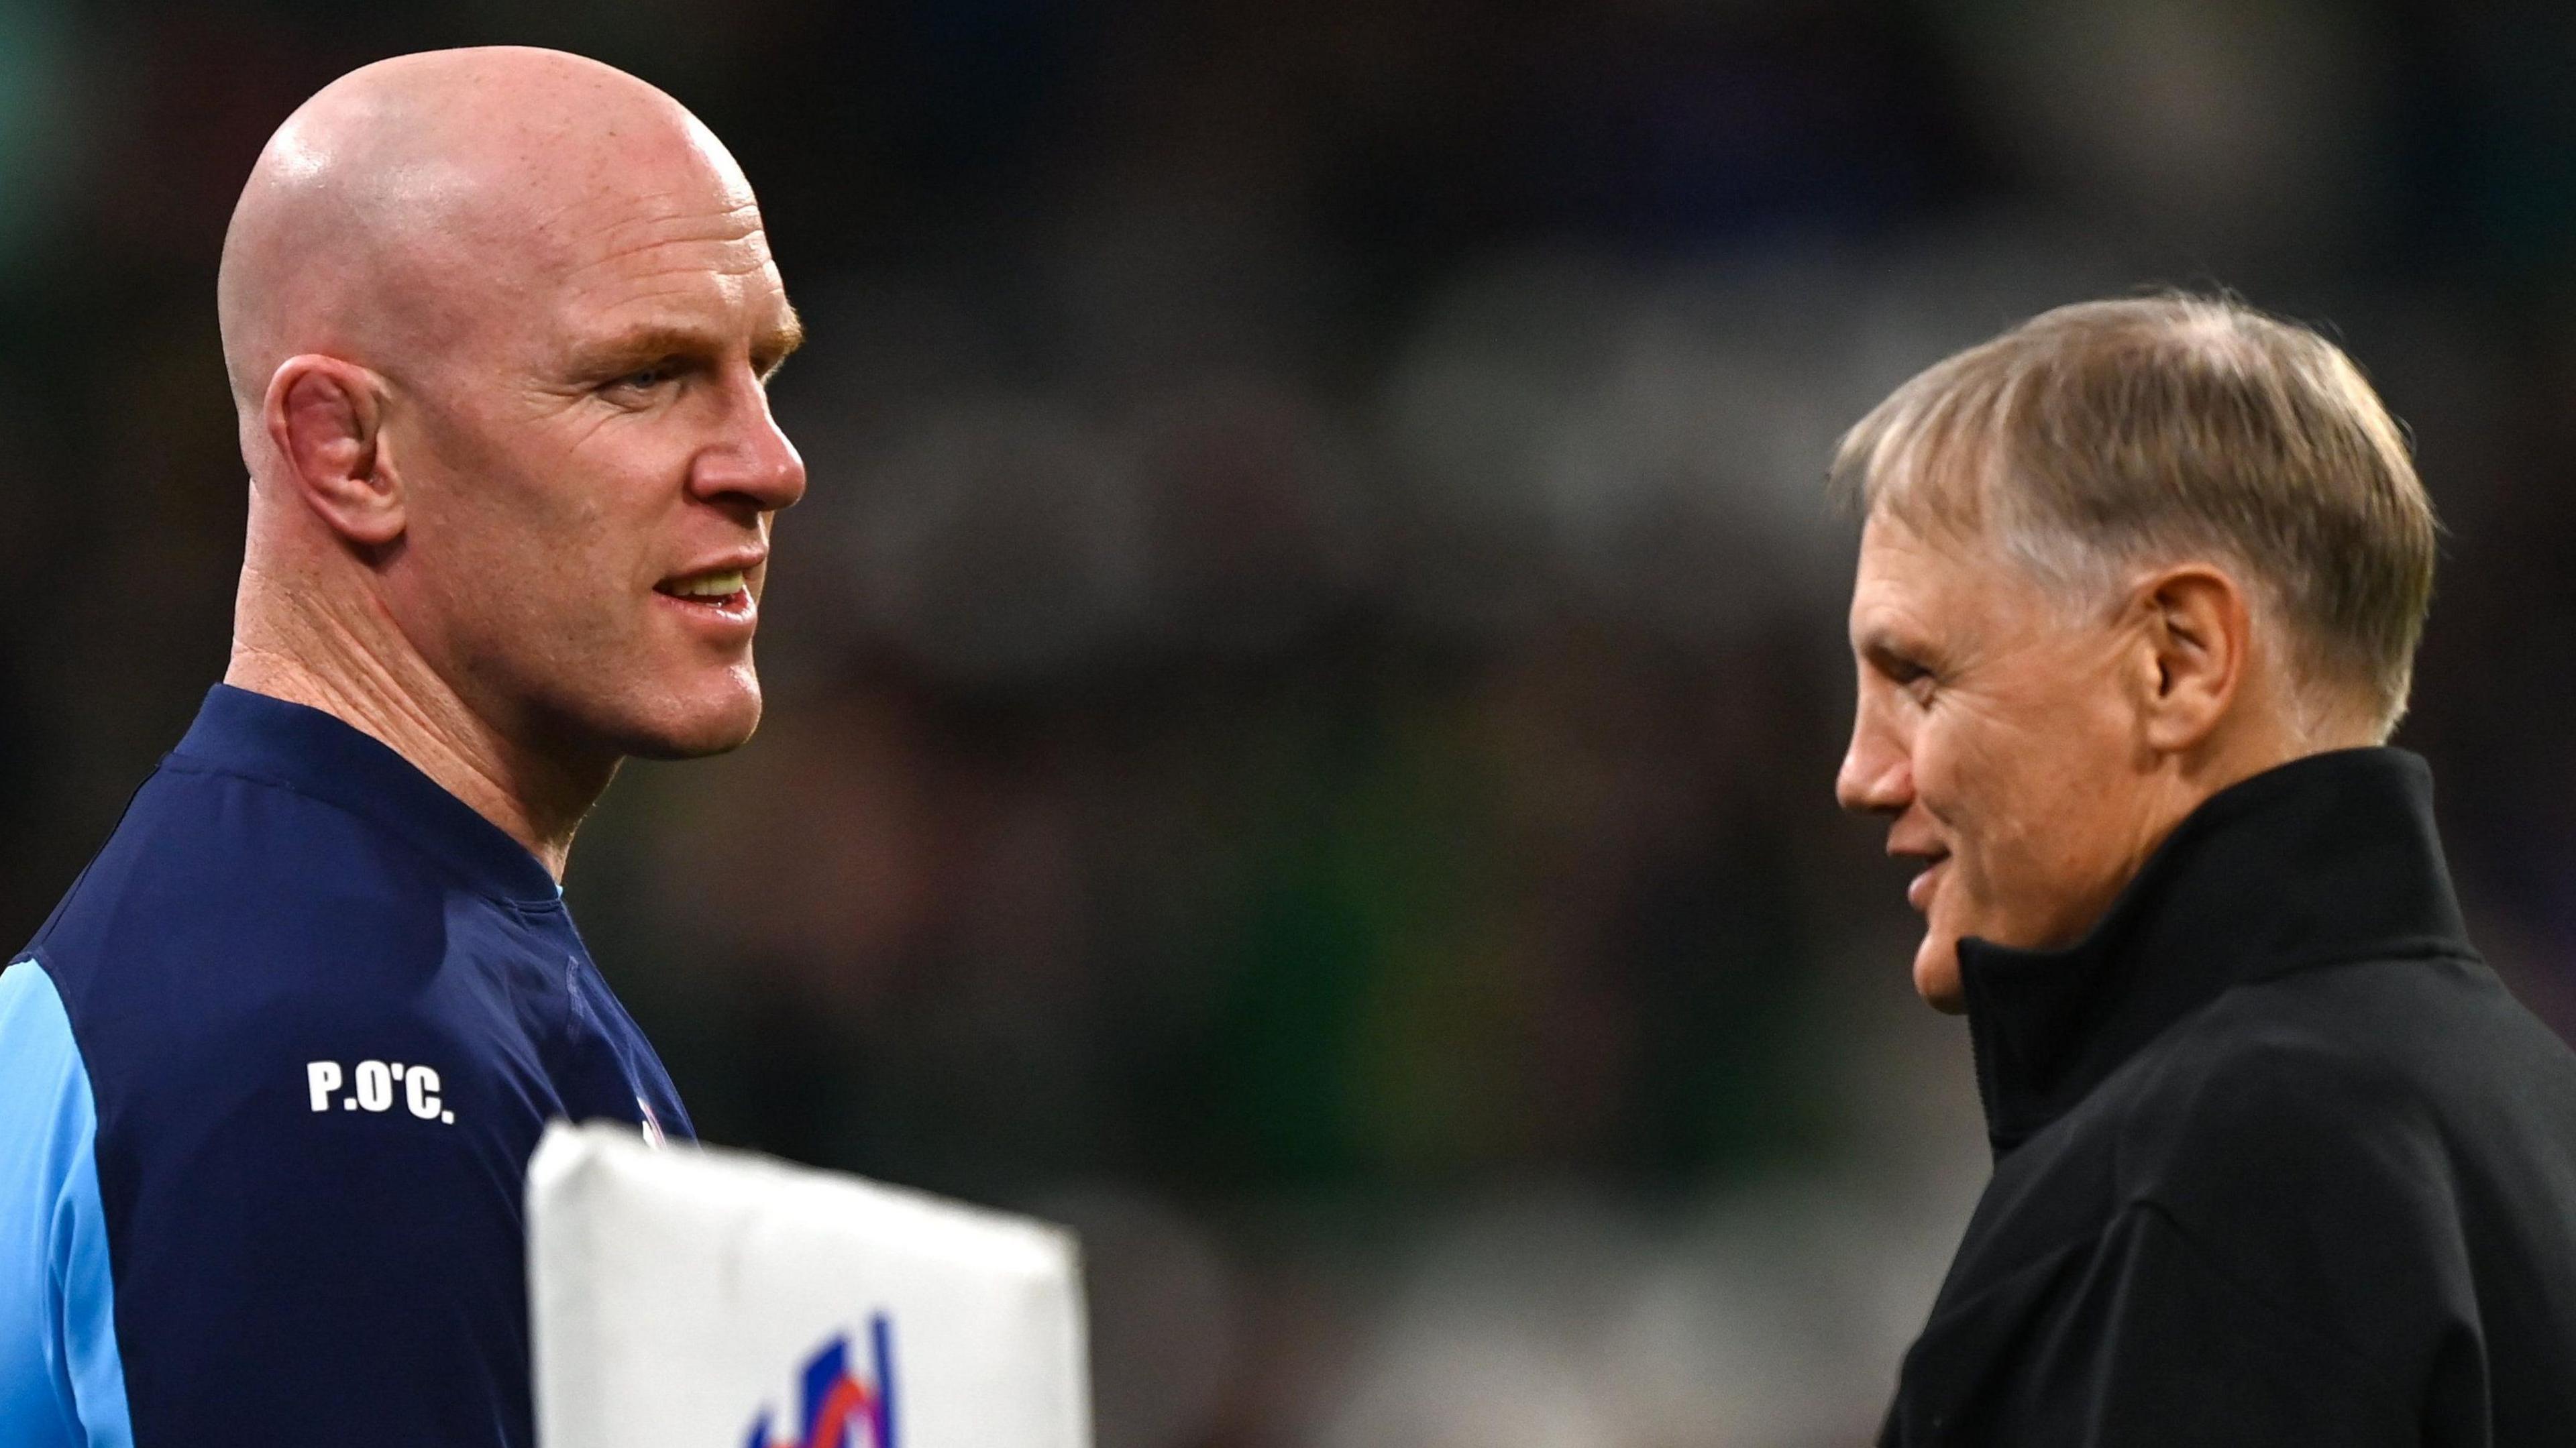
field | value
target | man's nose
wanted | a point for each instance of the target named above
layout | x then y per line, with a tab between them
755	462
1876	776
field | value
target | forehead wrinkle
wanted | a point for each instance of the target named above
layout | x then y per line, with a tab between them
731	256
684	287
679	213
575	241
671	255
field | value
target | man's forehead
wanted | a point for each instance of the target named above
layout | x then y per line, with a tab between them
682	285
1914	579
1897	550
655	250
606	186
1895	557
611	199
689	259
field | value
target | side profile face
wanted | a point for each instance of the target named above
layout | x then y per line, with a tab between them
500	324
590	465
1997	732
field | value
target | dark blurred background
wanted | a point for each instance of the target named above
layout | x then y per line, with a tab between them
1305	692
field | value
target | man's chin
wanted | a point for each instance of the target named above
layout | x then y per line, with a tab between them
692	746
698	741
693	728
1936	973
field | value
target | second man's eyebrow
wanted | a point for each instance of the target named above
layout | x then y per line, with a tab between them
645	345
781	341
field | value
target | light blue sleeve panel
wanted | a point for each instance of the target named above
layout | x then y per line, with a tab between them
62	1384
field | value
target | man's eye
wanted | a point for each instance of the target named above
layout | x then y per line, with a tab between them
645	379
1913	678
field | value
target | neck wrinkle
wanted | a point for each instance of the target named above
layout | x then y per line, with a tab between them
376	682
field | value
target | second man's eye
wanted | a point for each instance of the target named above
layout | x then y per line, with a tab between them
645	379
1912	677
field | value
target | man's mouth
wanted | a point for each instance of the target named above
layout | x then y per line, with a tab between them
1919	893
728	589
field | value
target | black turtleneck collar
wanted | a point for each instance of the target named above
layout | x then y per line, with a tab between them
2330	859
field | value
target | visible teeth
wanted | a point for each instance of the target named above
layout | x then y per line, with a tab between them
710	585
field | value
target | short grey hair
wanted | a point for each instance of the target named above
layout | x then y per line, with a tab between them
2107	435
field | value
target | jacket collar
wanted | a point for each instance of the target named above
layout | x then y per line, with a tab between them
2325	860
317	755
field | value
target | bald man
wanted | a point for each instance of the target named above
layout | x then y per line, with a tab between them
499	325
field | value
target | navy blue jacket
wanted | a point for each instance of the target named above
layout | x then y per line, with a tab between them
269	1081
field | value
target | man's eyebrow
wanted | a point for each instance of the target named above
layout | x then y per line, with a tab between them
1885	649
784	338
775	345
639	346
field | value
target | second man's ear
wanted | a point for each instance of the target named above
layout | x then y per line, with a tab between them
325	417
2199	626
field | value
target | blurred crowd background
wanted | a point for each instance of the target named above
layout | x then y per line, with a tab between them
1305	692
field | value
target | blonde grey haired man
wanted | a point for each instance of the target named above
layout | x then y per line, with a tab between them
2277	1158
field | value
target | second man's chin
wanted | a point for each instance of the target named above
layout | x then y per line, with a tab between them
717	728
698	745
1936	976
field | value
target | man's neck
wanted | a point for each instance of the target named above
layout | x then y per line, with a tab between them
537	801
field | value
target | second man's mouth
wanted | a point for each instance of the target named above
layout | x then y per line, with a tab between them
728	589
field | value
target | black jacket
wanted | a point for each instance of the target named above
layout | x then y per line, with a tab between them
2277	1159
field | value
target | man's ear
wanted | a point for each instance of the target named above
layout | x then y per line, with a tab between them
325	417
2199	628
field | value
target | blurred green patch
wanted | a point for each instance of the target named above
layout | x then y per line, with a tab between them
39	129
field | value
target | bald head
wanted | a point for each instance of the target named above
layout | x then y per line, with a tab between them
500	325
414	197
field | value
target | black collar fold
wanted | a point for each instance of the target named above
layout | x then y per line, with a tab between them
2326	860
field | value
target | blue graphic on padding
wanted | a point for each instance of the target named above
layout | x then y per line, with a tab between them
836	1403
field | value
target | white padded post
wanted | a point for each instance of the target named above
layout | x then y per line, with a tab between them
714	1299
